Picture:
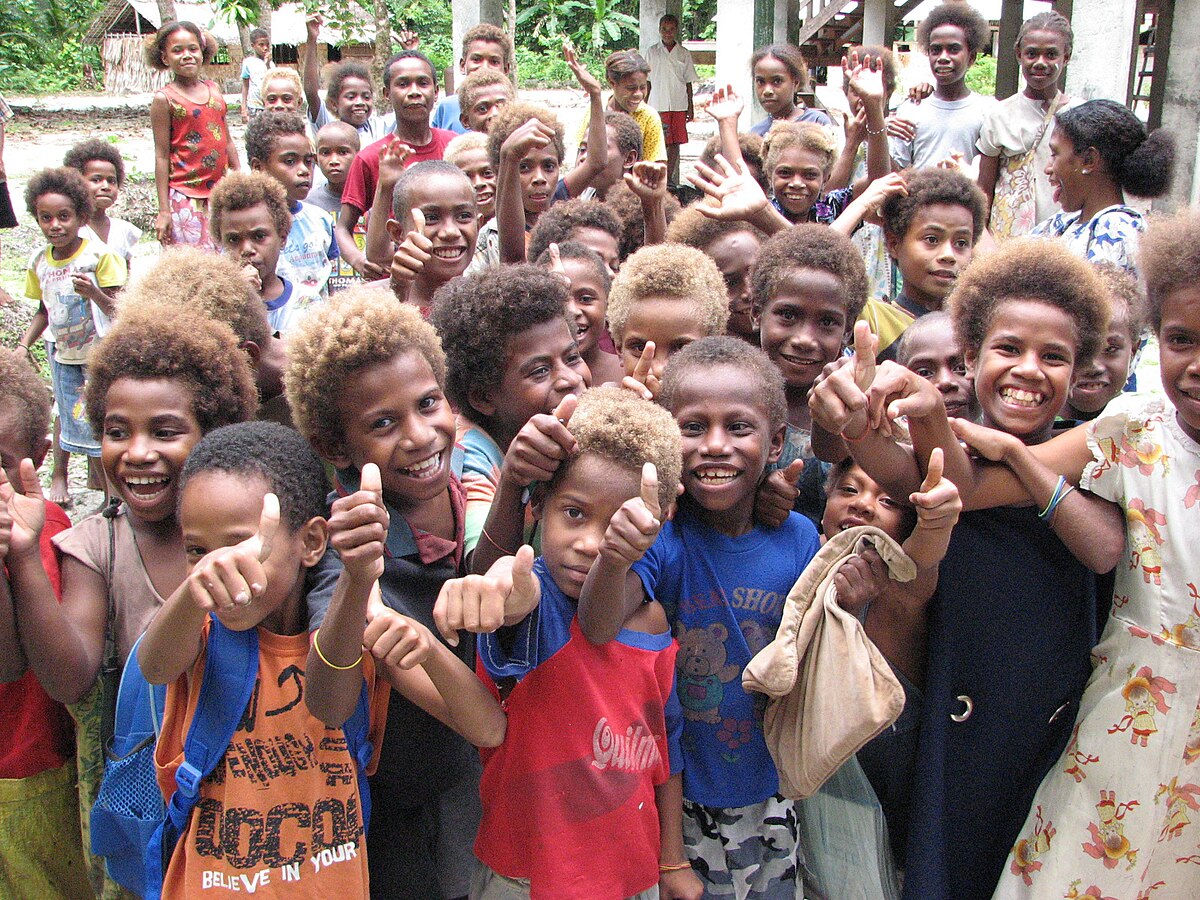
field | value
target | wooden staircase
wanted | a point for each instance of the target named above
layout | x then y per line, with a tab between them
827	26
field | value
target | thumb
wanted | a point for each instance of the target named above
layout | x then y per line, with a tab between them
268	524
556	260
650	489
371	480
793	471
30	485
6	489
418	218
934	475
522	571
566	408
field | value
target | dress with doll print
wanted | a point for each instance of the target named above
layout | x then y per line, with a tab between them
1118	816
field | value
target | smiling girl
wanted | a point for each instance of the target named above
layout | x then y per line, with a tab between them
780	75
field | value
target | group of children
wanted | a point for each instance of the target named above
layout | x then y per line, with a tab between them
531	481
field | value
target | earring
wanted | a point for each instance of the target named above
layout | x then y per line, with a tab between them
1086	171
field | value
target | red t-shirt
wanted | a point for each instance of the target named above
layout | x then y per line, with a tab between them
38	732
361	181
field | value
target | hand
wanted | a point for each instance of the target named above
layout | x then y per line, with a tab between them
252	277
24	513
358	527
409	40
866	77
987	443
901	129
648	180
878	192
312	27
938	503
635	525
919	92
855	125
732	193
556	263
482	603
777	495
726	103
586	79
162	225
234	576
245	115
396	640
533	135
84	286
897	392
690	115
860	580
392	163
838	399
643	381
954	162
542	444
367	269
412	253
682	884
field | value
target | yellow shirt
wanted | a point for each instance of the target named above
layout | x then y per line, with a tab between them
654	145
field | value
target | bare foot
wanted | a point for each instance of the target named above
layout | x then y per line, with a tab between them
59	492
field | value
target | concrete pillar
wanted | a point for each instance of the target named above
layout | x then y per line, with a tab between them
1008	67
1181	106
735	45
1104	38
878	23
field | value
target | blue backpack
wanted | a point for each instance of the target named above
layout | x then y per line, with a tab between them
131	827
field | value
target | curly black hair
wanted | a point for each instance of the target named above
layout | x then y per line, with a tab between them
338	77
407	54
276	454
242	190
627	132
1140	163
751	363
95	149
152	51
1169	259
927	187
974	26
476	316
577	251
810	246
557	223
512	117
267	127
67	182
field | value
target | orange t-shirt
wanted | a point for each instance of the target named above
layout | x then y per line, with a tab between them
281	815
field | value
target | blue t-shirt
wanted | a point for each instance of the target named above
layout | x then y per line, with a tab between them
447	114
816	116
724	597
307	257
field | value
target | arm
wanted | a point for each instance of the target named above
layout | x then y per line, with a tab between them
726	107
597	134
12	657
343	232
866	81
310	73
231	153
866	204
510	205
734	194
173	641
245	99
37	326
843	167
391	167
989	171
160	127
691	109
674	882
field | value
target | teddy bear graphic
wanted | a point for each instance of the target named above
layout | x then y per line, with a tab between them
702	672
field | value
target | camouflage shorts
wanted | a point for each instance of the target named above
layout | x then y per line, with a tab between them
749	852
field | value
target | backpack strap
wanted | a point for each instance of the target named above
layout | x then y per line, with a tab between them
358	732
230	672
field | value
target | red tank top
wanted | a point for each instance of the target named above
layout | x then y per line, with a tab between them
568	798
199	140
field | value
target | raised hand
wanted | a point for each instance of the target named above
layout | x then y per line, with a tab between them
838	400
358	527
556	263
312	26
541	445
533	135
234	576
643	381
866	77
412	253
635	525
878	192
732	192
938	503
409	40
24	510
482	603
392	162
648	179
777	494
726	103
586	79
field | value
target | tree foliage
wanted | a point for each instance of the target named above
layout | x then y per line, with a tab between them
41	44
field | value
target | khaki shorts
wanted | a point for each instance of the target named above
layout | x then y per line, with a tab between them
41	855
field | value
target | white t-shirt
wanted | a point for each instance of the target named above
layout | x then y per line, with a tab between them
670	73
306	259
943	127
370	131
122	238
254	68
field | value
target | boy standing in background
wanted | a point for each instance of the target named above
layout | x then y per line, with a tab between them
254	69
671	77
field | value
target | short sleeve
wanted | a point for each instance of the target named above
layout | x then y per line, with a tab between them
654	145
986	144
110	270
650	567
245	76
320	115
33	286
354	193
1115	447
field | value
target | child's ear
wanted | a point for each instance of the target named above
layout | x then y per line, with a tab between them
315	535
253	351
776	450
891	241
334	453
396	231
39	452
256	165
969	359
481	403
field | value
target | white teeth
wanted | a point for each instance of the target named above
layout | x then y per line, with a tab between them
1022	398
157	479
716	476
423	468
448	252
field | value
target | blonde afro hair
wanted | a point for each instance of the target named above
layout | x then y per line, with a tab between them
618	425
359	328
669	270
805	135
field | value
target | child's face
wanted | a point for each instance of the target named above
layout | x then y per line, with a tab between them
1101	378
101	178
855	499
1179	356
1065	173
734	254
447	202
1043	55
150	428
668	32
539	177
488	103
262	47
335	152
182	53
587	302
250	237
630	91
775	86
353	104
483	55
291	163
576	514
949	55
412	90
670	322
803	325
797	180
477	166
937	247
602	242
935	356
59	220
395	415
543	365
221	509
617	164
280	95
1023	368
727	441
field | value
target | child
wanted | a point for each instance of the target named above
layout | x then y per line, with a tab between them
624	150
482	95
628	76
469	153
671	77
589	222
39	819
511	358
349	94
250	218
337	145
587	304
929	347
485	46
1023	315
664	297
780	75
254	69
798	160
66	277
365	382
411	85
722	581
281	92
733	246
949	122
277	145
609	835
631	209
1098	151
193	146
1014	142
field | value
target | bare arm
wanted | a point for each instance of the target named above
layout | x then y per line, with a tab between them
311	71
649	181
725	107
989	171
391	166
37	326
510	205
597	134
343	233
172	642
678	881
12	657
160	127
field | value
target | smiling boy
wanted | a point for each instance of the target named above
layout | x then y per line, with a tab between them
484	47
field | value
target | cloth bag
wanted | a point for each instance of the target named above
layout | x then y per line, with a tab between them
1014	204
831	689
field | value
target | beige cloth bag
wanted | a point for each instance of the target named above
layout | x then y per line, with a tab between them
831	689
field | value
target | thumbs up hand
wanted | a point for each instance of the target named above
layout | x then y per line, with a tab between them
777	494
636	524
358	527
482	603
235	576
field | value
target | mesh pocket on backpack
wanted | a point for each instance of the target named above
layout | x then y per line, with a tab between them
130	787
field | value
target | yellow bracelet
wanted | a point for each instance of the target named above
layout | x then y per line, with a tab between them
679	867
317	647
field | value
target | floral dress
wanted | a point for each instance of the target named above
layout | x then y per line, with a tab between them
1118	817
199	145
